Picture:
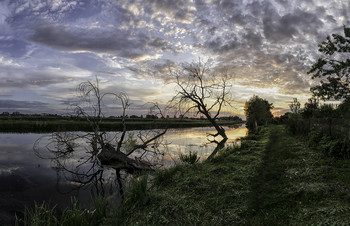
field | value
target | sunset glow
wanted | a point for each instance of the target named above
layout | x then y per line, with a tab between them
48	47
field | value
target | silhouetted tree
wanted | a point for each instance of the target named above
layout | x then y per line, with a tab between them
202	90
310	107
295	106
325	111
343	110
258	112
333	67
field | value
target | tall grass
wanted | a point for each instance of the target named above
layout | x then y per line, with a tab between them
44	215
190	158
41	214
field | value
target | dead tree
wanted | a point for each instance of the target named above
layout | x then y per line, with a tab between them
203	91
98	150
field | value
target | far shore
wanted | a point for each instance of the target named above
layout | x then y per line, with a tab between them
55	124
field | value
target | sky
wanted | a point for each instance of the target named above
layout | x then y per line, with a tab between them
48	47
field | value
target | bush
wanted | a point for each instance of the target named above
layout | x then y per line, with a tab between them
332	147
337	148
315	136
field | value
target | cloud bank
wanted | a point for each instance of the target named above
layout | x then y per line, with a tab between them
48	46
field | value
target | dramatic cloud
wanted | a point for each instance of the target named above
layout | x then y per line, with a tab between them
48	46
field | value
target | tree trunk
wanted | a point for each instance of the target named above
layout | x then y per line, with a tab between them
118	160
219	129
219	146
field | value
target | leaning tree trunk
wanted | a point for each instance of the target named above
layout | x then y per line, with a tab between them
118	160
220	131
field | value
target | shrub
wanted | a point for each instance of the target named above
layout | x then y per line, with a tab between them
332	147
338	148
315	136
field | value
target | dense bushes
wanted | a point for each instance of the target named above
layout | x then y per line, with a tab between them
332	147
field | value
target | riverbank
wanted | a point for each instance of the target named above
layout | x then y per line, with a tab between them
46	126
274	178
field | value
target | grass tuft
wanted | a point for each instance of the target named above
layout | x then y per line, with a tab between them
190	158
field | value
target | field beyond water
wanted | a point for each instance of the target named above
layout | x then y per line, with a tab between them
274	178
42	125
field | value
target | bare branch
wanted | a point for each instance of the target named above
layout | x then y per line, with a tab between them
201	90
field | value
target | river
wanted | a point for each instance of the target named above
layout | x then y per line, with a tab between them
25	178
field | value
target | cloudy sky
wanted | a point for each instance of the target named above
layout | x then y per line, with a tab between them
48	47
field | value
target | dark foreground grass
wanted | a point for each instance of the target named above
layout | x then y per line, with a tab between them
274	178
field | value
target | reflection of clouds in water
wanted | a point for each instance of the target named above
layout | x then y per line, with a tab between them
16	139
9	170
16	150
182	141
234	134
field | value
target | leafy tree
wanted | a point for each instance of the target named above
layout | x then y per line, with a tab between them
295	106
258	112
310	107
343	110
325	111
333	67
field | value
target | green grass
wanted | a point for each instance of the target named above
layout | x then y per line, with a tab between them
190	158
211	193
273	178
44	215
299	185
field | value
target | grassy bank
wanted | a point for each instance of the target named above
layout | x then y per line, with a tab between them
215	192
274	178
39	126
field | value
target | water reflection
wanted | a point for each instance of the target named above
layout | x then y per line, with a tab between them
195	140
24	177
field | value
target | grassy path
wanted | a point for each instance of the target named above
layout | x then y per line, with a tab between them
267	203
296	185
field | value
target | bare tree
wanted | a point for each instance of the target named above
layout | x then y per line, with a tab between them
98	150
204	91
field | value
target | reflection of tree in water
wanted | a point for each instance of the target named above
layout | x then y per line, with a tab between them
98	158
235	126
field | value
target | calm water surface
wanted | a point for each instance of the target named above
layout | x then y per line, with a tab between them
25	178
